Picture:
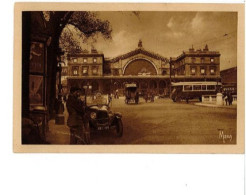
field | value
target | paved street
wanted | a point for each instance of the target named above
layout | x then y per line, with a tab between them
163	122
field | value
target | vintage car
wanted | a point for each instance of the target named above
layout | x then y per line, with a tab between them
131	93
100	117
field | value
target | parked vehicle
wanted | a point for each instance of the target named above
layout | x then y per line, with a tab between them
131	93
99	117
193	90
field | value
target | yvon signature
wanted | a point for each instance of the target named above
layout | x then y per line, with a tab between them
224	136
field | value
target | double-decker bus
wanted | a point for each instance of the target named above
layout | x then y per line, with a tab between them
193	90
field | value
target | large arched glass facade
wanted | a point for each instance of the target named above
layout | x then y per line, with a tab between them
140	67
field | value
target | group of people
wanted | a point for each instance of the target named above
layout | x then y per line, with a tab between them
149	96
77	121
228	98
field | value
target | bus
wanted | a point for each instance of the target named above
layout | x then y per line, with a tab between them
193	90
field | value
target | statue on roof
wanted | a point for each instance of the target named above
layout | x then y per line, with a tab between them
140	44
206	47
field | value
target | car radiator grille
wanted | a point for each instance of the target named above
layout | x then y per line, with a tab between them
102	117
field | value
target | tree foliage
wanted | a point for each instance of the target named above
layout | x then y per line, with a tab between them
80	27
89	24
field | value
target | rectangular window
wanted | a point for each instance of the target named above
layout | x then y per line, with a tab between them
75	60
183	70
193	60
94	60
202	60
85	70
75	70
212	70
204	87
94	70
203	72
193	70
85	60
211	87
187	87
196	87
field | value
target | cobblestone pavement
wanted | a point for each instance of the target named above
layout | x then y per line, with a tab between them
163	122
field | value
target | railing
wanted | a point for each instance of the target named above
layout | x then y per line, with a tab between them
209	98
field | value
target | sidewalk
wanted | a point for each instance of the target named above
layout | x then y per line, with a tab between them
216	106
57	134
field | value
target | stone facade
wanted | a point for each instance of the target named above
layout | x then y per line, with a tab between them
122	63
148	70
85	64
199	64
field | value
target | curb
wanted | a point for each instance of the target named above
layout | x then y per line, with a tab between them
215	106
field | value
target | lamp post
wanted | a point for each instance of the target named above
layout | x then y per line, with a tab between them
171	73
86	88
59	119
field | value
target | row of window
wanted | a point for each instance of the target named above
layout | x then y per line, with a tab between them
85	70
199	87
193	70
195	60
85	60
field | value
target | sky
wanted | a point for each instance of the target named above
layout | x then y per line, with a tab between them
170	33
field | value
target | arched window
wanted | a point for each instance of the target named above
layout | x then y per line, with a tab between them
140	67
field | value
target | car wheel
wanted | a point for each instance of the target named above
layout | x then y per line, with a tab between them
119	128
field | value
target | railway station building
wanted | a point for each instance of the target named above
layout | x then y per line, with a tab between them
196	65
150	71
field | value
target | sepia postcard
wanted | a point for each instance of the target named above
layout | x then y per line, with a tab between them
129	78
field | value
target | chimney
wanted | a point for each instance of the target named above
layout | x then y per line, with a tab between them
191	49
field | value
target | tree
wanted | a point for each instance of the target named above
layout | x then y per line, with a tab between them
79	27
86	24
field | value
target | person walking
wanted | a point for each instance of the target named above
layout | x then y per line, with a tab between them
226	99
109	99
76	111
137	97
230	99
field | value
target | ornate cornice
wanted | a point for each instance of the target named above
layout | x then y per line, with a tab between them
139	51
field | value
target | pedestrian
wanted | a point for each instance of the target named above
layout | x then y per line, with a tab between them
109	99
230	99
152	97
137	97
76	111
187	100
116	94
226	99
146	97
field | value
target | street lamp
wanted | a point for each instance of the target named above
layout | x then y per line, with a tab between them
172	72
86	88
59	119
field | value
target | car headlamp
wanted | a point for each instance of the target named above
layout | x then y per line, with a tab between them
93	115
